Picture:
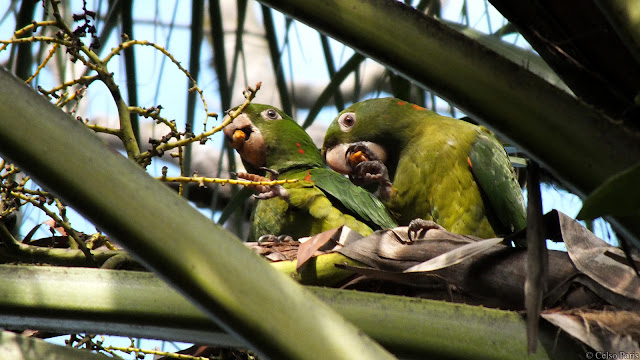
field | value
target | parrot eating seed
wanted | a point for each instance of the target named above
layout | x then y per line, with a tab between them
428	166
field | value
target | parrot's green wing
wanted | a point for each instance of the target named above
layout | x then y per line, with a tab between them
492	171
356	199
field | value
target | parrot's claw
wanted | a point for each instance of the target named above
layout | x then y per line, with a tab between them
371	171
421	226
269	192
273	174
273	238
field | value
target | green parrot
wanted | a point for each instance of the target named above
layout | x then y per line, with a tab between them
428	167
267	139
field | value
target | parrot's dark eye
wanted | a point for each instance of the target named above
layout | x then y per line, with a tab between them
271	114
346	121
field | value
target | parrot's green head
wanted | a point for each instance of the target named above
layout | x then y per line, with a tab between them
383	125
265	136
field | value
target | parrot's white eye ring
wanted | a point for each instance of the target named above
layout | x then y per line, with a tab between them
270	114
347	121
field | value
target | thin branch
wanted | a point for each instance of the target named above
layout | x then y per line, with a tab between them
201	180
73	235
83	80
16	251
249	94
129	43
105	130
53	50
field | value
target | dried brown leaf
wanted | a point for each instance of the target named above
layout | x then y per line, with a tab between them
600	261
322	241
391	249
273	251
455	256
605	331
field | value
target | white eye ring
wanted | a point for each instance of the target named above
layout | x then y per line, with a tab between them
347	121
270	114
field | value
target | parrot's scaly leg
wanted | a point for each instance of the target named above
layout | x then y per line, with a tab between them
418	226
267	192
272	191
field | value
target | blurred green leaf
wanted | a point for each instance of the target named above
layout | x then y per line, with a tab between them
236	202
350	66
130	67
276	59
24	58
239	45
617	196
219	54
197	34
331	68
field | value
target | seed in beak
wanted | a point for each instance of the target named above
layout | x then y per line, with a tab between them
356	158
238	139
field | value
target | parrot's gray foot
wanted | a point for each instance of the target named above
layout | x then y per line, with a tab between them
368	172
368	168
273	238
271	191
421	226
